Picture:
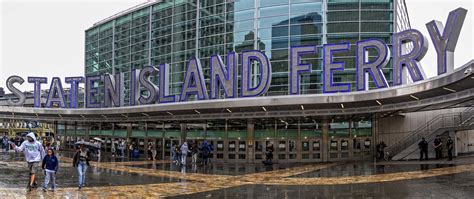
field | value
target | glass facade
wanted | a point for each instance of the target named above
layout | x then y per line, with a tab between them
176	31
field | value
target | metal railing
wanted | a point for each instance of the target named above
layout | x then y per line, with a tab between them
439	122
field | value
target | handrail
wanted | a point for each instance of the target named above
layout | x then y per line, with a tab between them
470	118
438	122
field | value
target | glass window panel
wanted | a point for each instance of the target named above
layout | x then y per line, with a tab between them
344	5
240	5
342	27
343	16
274	10
376	27
241	15
273	21
376	15
306	29
306	7
265	3
306	18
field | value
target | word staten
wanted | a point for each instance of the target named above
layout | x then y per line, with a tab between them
254	63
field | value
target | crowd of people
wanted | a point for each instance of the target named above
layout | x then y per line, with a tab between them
199	154
44	152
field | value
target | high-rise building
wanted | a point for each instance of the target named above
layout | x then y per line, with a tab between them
173	32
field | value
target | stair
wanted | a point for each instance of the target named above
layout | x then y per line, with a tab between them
407	147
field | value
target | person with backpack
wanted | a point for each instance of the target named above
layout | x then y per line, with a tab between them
34	153
50	166
81	162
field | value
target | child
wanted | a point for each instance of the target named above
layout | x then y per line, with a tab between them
50	166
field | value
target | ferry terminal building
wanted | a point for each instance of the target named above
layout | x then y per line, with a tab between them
311	127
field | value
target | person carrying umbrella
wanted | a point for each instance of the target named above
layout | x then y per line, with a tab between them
81	162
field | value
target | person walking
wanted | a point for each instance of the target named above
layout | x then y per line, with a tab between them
438	146
81	162
268	154
121	148
194	153
423	146
5	144
173	153
381	150
112	148
184	152
58	144
50	166
149	153
34	153
450	147
205	151
153	152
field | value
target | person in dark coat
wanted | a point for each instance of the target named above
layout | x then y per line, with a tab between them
268	154
81	162
423	146
450	147
438	146
381	150
50	166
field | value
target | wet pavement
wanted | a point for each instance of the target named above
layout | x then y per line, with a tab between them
233	169
126	178
359	169
13	173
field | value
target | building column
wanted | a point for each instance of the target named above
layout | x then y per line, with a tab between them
325	141
226	142
184	130
249	140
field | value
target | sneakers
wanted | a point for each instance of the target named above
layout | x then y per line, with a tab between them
80	186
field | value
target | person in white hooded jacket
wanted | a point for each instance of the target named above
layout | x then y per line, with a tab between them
34	153
184	152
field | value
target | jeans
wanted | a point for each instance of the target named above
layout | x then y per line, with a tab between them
49	176
195	157
6	147
81	170
183	158
174	156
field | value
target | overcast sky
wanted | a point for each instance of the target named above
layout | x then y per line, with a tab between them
46	38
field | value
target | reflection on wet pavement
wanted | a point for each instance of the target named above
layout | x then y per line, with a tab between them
363	168
15	175
447	186
233	169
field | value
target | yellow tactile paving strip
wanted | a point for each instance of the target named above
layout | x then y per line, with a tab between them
196	182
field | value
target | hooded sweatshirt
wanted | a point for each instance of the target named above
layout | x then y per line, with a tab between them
184	148
34	151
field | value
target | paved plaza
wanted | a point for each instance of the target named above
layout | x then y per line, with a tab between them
116	177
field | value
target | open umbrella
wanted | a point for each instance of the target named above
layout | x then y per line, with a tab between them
98	139
87	144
